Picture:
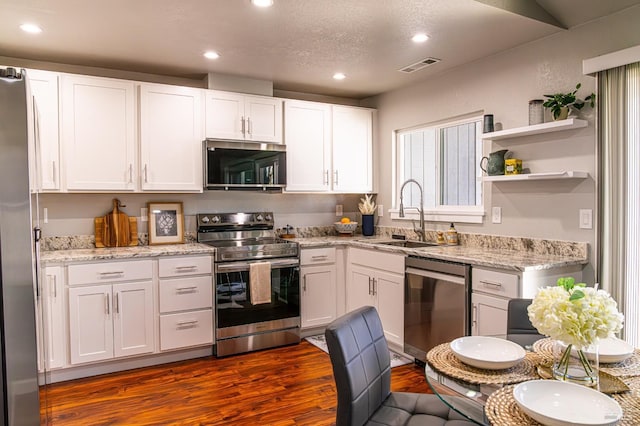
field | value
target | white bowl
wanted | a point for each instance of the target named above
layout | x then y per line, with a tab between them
346	228
556	403
610	350
490	353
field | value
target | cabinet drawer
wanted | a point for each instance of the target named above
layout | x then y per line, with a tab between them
181	294
110	272
317	256
188	265
186	329
494	282
389	262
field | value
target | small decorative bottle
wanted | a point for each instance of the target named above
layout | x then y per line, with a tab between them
452	235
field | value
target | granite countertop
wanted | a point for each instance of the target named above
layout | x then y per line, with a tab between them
477	256
78	255
516	260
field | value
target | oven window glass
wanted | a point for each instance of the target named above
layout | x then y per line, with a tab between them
245	167
233	300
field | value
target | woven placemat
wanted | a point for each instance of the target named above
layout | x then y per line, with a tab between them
502	410
442	359
628	368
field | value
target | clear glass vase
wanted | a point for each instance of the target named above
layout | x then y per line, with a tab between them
576	365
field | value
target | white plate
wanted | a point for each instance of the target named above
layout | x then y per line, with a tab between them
556	403
490	353
610	350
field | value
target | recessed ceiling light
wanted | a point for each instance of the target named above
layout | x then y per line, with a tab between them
262	3
339	76
31	28
211	55
420	38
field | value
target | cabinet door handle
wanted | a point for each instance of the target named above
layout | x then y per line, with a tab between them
116	303
190	288
54	287
185	268
304	283
146	176
109	274
326	177
107	306
187	323
375	282
242	124
475	315
335	181
249	126
319	257
491	284
369	286
130	173
53	172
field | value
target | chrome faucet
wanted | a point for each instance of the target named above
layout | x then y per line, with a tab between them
420	231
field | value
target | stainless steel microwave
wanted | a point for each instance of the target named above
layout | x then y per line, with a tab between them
234	165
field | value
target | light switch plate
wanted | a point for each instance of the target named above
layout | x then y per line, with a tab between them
144	214
496	215
586	219
339	210
380	210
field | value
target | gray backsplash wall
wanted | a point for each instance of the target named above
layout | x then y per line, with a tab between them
73	214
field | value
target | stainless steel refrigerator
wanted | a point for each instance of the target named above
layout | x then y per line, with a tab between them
18	358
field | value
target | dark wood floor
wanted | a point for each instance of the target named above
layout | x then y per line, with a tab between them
291	385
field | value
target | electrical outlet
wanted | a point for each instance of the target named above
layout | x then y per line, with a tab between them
586	219
144	214
380	210
339	210
496	215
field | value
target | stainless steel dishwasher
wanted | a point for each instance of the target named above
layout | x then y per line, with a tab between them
436	304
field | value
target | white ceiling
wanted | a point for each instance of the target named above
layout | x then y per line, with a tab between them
297	44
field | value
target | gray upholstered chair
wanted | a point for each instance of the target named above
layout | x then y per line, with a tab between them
362	372
519	327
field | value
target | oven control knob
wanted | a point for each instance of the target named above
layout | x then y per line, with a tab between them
268	217
215	219
205	219
259	218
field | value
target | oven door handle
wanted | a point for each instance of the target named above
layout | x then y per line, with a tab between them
244	266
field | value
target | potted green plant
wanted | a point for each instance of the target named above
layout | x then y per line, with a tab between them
559	103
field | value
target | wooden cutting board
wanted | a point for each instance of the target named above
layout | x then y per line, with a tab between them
116	229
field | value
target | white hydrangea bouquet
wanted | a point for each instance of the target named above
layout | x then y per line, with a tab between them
576	315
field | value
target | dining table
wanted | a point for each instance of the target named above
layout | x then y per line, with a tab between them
485	397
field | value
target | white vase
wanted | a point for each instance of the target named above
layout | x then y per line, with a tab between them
576	365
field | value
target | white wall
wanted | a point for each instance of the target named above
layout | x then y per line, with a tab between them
502	85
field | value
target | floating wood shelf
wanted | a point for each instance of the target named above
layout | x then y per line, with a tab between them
538	176
536	129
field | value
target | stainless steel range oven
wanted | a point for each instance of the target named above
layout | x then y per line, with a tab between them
246	243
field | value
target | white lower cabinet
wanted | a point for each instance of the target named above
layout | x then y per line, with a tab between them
319	286
52	336
492	289
377	279
107	321
185	301
111	310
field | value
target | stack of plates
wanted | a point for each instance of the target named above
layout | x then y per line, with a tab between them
556	403
490	353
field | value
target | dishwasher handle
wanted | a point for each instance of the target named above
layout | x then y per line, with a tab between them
436	275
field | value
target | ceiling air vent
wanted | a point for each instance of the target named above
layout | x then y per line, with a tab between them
419	65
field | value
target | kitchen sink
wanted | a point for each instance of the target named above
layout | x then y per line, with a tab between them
409	243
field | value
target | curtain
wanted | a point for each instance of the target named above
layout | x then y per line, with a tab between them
618	156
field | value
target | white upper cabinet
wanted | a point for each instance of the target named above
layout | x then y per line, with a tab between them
352	148
98	133
329	147
44	89
171	134
243	117
307	136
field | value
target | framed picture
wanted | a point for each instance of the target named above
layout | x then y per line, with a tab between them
166	223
